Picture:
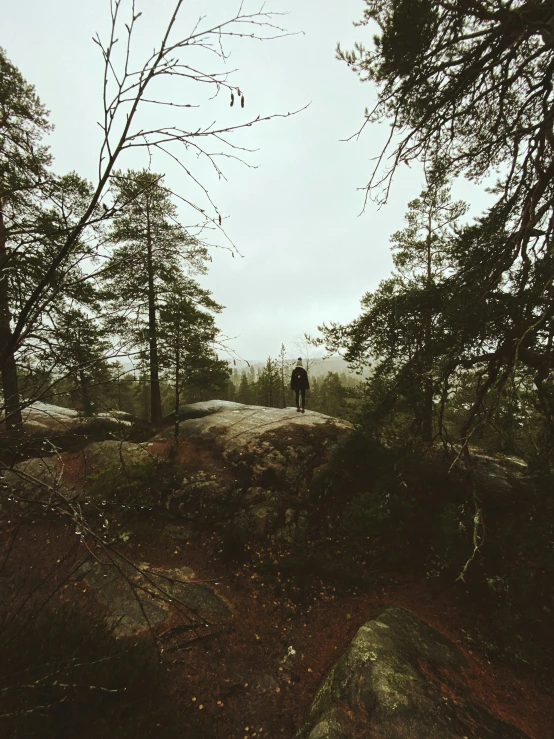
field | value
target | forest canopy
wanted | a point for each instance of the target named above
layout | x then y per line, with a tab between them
466	88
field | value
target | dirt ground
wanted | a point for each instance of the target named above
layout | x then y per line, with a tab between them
256	675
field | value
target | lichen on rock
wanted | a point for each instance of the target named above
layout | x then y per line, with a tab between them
392	682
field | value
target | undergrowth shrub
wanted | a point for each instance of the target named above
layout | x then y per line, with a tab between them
130	483
64	675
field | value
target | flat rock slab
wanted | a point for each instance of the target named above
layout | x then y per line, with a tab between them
400	679
251	471
44	419
143	595
235	423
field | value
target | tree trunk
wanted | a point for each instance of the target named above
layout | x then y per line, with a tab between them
427	421
283	396
10	385
155	394
177	380
146	398
85	394
84	391
427	425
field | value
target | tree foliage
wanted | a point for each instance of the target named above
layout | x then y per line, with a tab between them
471	83
403	331
64	245
153	251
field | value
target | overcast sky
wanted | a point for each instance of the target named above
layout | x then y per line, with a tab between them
308	254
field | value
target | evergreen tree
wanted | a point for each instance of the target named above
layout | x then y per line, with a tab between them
153	252
473	82
269	384
283	379
186	334
23	171
403	328
333	394
422	258
121	392
244	394
230	391
79	353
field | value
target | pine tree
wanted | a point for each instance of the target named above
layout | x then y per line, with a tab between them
244	392
23	170
151	258
422	258
32	251
282	363
472	81
186	336
121	391
403	327
269	384
332	395
80	352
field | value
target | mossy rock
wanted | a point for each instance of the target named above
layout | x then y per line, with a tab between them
400	679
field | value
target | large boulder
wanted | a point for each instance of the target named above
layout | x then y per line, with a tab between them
139	596
501	481
400	679
257	470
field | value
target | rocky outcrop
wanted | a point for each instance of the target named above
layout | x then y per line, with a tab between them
400	679
45	419
139	596
252	470
74	474
255	469
501	481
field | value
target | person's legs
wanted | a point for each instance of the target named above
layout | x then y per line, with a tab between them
303	391
297	399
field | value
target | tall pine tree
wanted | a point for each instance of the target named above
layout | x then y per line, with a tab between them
186	337
402	327
23	171
153	251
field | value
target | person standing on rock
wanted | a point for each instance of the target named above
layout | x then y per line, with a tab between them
299	383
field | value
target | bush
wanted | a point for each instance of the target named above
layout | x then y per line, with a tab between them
131	483
64	675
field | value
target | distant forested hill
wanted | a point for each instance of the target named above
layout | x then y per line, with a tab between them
318	367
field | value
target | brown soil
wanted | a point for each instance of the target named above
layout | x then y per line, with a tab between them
232	680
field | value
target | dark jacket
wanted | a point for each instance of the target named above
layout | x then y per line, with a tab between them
299	379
